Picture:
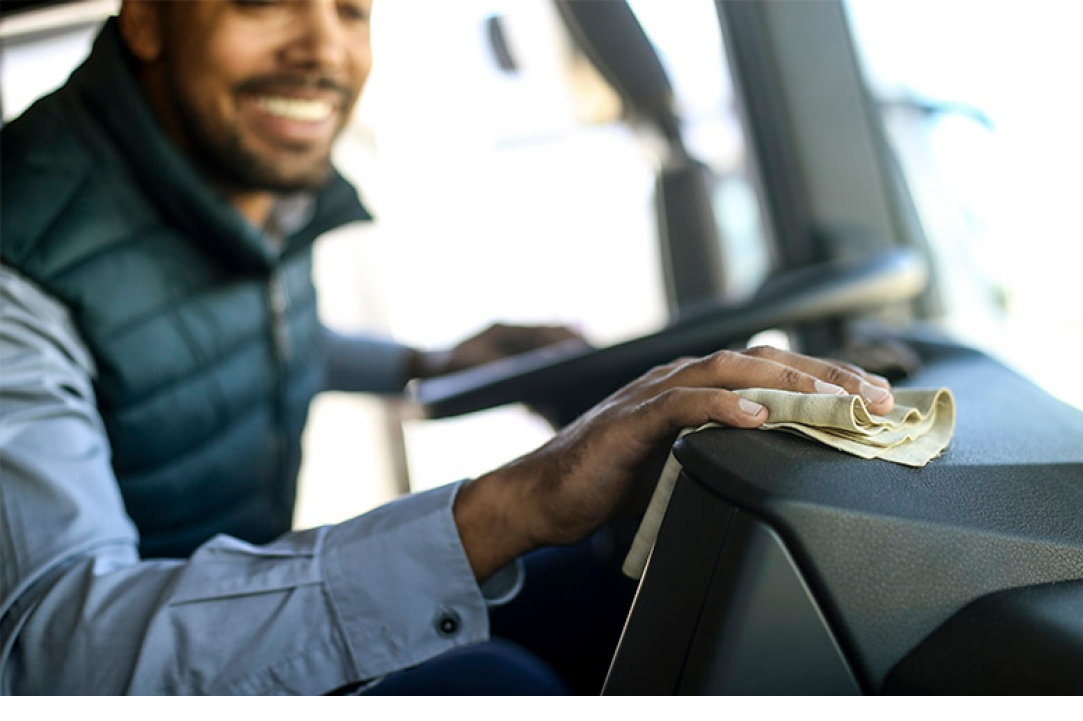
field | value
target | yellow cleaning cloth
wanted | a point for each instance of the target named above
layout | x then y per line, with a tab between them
914	432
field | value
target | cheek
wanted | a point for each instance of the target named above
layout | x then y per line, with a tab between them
219	74
232	57
360	67
212	101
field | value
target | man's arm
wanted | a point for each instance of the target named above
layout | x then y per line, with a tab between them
572	485
367	363
81	613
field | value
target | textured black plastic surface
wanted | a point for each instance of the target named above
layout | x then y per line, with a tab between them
761	630
722	609
658	632
1021	641
893	551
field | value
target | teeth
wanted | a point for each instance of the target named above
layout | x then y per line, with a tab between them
308	111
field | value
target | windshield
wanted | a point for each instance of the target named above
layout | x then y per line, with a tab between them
982	108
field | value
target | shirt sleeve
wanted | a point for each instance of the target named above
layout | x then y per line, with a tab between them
81	613
365	363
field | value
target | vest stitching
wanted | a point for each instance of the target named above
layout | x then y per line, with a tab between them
131	238
177	303
198	446
47	230
196	369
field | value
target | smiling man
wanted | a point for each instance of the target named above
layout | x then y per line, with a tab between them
160	346
256	92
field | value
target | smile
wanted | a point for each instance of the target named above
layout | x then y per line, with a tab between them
296	109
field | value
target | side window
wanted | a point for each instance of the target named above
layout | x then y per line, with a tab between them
688	40
502	191
507	186
40	48
980	105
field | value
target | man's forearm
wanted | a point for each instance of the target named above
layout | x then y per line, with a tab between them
491	514
364	363
568	488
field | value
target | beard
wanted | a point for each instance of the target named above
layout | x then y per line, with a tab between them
226	159
223	154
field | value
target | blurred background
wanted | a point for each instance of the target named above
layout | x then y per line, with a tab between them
508	183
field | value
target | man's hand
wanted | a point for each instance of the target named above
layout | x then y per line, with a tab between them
495	342
569	487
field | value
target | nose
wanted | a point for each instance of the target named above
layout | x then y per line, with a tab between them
320	40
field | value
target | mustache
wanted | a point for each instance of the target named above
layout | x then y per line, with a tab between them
266	84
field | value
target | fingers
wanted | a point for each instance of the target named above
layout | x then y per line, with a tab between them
871	377
574	481
496	342
876	391
683	407
512	339
556	334
766	367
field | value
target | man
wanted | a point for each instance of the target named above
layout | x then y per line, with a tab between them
160	347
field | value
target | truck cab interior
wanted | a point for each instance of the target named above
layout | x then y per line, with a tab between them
783	567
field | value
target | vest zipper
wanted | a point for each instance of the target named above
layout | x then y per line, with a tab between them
278	302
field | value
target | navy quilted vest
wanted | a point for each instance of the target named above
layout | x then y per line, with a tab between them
207	343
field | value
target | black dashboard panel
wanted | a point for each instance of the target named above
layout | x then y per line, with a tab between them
891	552
1022	641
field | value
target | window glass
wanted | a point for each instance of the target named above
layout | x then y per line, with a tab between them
982	109
496	199
519	195
40	48
687	38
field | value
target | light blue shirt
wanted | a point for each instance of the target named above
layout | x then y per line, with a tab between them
81	613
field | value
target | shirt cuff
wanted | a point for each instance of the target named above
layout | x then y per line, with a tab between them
504	585
401	585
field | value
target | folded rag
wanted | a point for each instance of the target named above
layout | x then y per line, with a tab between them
914	432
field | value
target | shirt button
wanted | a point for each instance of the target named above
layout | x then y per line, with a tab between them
448	623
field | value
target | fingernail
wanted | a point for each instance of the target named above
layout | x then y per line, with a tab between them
750	407
829	388
873	394
879	379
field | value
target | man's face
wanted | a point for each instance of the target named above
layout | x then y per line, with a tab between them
257	90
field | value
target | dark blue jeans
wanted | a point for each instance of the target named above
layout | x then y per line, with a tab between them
494	668
556	637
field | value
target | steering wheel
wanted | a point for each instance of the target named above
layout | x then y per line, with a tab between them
564	381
